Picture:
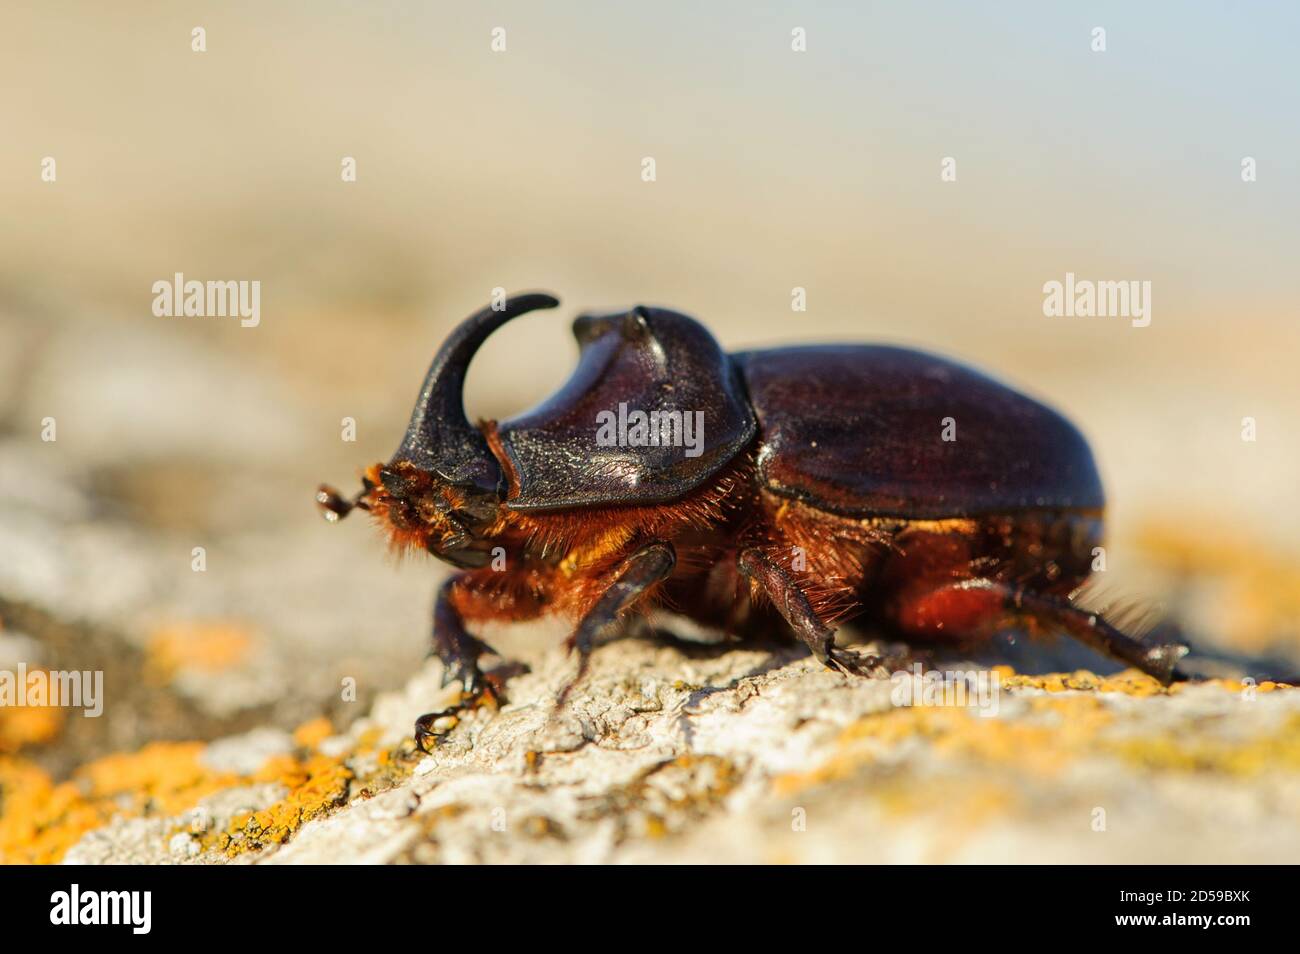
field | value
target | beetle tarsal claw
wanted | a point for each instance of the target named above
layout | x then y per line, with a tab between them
851	662
584	664
433	726
1163	661
475	686
437	725
467	673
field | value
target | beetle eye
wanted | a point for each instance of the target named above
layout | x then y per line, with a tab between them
393	482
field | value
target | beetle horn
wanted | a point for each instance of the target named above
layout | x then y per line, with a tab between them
440	437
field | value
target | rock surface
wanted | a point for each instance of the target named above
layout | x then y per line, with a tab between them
739	756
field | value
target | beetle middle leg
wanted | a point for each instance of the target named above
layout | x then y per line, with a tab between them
649	565
967	606
793	604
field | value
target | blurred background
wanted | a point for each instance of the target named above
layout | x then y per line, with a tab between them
522	169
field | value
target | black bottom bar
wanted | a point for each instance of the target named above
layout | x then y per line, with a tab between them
349	904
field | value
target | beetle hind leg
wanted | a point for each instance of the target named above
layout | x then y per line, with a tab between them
973	605
1158	660
793	604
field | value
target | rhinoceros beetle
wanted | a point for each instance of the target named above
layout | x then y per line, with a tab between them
824	484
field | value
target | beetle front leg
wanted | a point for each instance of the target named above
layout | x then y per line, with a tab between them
793	604
459	651
649	565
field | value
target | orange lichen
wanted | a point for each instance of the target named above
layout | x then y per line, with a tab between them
41	820
1130	682
315	786
1278	751
28	725
1056	732
207	647
313	733
166	777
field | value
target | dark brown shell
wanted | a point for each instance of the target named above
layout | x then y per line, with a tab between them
857	430
649	359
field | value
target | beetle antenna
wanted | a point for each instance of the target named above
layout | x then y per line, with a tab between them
334	506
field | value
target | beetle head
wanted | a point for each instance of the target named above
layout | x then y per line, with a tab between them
423	510
443	486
